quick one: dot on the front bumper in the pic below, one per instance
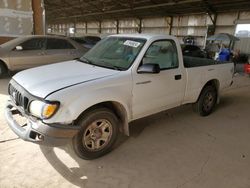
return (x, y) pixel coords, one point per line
(37, 131)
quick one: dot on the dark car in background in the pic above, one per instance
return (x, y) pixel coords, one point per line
(87, 41)
(193, 51)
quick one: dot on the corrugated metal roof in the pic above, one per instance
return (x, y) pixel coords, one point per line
(97, 10)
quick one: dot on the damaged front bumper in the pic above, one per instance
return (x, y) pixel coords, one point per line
(36, 131)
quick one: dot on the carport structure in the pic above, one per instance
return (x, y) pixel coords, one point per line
(86, 10)
(181, 18)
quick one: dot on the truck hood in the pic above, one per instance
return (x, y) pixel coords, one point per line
(42, 81)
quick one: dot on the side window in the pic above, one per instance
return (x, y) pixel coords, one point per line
(58, 44)
(33, 44)
(81, 41)
(163, 53)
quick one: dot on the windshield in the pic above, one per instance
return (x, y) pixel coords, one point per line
(114, 52)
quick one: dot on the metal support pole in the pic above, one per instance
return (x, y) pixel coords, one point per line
(75, 28)
(214, 20)
(140, 26)
(86, 27)
(117, 26)
(100, 27)
(170, 25)
(38, 17)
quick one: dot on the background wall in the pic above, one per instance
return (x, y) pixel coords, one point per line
(16, 19)
(180, 26)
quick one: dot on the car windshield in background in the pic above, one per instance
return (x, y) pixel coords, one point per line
(92, 39)
(87, 41)
(114, 52)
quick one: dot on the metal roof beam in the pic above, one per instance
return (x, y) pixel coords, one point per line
(135, 8)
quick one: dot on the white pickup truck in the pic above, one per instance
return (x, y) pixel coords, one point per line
(123, 78)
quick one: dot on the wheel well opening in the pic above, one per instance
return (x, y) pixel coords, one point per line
(4, 69)
(117, 109)
(215, 83)
(4, 64)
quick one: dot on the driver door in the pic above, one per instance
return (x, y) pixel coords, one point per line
(153, 93)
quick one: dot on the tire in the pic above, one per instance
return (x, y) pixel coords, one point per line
(206, 102)
(3, 70)
(98, 134)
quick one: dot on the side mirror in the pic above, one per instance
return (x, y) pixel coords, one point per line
(149, 68)
(19, 48)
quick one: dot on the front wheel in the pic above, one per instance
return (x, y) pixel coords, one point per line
(206, 102)
(99, 131)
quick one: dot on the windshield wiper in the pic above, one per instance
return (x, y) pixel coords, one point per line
(85, 60)
(109, 65)
(106, 64)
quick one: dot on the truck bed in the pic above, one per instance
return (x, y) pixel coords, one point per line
(190, 62)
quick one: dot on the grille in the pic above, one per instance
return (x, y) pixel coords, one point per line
(18, 97)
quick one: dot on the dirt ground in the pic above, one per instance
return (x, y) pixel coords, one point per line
(174, 149)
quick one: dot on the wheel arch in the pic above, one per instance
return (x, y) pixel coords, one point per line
(216, 84)
(118, 109)
(6, 69)
(4, 64)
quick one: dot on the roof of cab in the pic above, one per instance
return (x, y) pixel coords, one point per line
(144, 35)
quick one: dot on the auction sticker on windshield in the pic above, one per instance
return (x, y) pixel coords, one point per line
(131, 43)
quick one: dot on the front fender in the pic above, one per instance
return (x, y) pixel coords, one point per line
(75, 100)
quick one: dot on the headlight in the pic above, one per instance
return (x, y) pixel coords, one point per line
(43, 110)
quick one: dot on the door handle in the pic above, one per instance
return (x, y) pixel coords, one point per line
(144, 82)
(177, 77)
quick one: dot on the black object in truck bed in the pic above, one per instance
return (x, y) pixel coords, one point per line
(190, 62)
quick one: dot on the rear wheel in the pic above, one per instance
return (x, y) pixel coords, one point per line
(206, 102)
(99, 131)
(3, 70)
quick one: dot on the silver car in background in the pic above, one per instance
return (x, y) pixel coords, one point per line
(31, 51)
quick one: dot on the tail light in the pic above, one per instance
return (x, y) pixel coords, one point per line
(247, 68)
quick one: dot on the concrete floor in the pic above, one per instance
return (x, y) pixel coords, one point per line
(174, 149)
